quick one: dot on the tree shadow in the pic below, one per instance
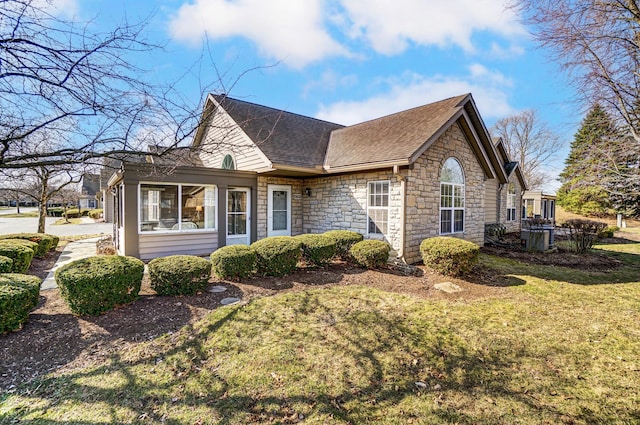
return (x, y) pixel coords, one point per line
(439, 359)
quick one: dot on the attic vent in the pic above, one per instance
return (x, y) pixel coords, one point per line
(228, 163)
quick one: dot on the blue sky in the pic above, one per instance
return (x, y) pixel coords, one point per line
(347, 61)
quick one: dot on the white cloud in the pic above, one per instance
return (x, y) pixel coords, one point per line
(509, 52)
(291, 31)
(65, 8)
(489, 89)
(391, 26)
(330, 81)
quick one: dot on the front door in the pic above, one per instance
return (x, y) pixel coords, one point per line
(238, 218)
(279, 210)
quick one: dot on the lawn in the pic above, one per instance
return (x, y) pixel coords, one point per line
(558, 346)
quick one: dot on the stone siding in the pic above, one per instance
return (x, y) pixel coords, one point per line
(297, 192)
(423, 193)
(512, 226)
(340, 203)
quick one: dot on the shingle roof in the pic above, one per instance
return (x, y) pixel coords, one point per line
(90, 184)
(284, 137)
(394, 137)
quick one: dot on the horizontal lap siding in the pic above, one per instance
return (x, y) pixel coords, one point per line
(491, 202)
(152, 246)
(223, 137)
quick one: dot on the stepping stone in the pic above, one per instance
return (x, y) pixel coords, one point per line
(229, 300)
(448, 287)
(217, 288)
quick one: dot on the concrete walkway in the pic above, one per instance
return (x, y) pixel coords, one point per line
(73, 251)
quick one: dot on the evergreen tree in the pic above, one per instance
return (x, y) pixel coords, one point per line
(585, 176)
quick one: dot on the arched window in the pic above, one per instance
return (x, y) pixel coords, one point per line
(451, 197)
(228, 163)
(511, 202)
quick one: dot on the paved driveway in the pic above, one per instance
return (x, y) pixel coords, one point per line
(28, 224)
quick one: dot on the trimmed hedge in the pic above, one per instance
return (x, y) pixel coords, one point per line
(608, 232)
(179, 274)
(317, 249)
(19, 294)
(96, 284)
(277, 255)
(19, 252)
(6, 264)
(96, 213)
(233, 261)
(449, 256)
(45, 241)
(344, 240)
(370, 253)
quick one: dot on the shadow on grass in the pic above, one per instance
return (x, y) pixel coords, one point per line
(384, 356)
(36, 348)
(622, 265)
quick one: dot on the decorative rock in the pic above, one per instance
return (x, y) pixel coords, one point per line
(229, 300)
(217, 288)
(448, 287)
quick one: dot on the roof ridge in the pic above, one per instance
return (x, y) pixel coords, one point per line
(274, 109)
(462, 96)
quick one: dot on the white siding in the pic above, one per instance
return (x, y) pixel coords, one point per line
(223, 137)
(200, 243)
(491, 201)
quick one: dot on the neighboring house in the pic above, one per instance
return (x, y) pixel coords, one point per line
(264, 172)
(504, 200)
(539, 205)
(90, 188)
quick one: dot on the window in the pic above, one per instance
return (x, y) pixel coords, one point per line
(451, 197)
(511, 202)
(228, 163)
(552, 209)
(529, 208)
(544, 209)
(177, 207)
(378, 208)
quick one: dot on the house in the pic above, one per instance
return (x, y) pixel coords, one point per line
(506, 198)
(427, 171)
(537, 204)
(89, 189)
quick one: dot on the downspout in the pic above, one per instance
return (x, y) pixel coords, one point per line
(403, 204)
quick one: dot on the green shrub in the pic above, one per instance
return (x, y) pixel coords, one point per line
(583, 233)
(19, 294)
(18, 252)
(96, 284)
(277, 255)
(95, 214)
(6, 264)
(370, 253)
(317, 249)
(608, 232)
(344, 240)
(233, 261)
(179, 274)
(24, 242)
(72, 213)
(449, 256)
(45, 241)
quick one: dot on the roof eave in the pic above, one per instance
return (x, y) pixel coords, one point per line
(368, 166)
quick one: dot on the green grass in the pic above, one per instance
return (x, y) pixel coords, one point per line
(63, 221)
(559, 347)
(21, 215)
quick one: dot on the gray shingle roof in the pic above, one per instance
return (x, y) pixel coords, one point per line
(284, 137)
(394, 137)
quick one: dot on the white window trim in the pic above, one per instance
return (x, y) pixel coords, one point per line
(511, 203)
(453, 208)
(370, 207)
(179, 231)
(233, 158)
(270, 189)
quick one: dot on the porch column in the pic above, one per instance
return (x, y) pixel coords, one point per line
(222, 215)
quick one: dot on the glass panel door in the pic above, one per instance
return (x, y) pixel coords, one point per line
(238, 227)
(279, 210)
